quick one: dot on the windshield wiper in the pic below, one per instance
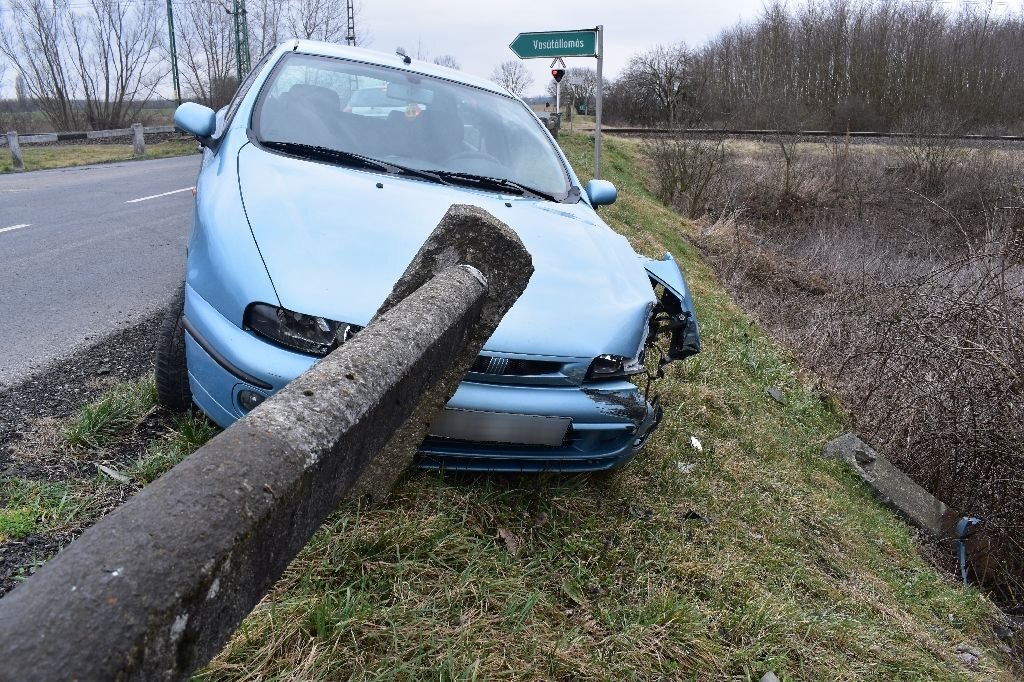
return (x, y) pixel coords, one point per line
(349, 158)
(485, 181)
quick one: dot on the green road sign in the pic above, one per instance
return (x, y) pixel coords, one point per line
(556, 44)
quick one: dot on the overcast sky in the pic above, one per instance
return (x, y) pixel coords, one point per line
(477, 32)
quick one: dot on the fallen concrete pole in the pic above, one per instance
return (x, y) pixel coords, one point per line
(899, 492)
(155, 589)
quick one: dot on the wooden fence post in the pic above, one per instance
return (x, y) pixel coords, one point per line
(12, 143)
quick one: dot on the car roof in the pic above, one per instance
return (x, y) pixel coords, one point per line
(359, 54)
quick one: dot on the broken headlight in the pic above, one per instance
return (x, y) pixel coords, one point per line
(296, 331)
(614, 367)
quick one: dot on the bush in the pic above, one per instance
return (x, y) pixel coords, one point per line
(909, 306)
(688, 171)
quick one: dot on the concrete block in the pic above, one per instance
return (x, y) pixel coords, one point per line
(155, 588)
(893, 487)
(471, 236)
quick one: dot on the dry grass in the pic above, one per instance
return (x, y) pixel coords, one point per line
(750, 555)
(63, 156)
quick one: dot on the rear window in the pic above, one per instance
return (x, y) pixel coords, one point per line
(377, 97)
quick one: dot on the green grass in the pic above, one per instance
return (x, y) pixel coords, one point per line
(64, 508)
(188, 432)
(115, 414)
(63, 156)
(753, 554)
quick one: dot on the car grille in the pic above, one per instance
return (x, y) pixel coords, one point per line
(496, 366)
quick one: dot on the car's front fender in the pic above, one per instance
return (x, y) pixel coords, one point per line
(685, 337)
(224, 264)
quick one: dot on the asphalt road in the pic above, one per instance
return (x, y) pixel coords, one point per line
(85, 251)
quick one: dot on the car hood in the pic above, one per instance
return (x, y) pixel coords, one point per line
(335, 240)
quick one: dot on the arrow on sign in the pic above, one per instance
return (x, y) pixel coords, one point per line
(582, 43)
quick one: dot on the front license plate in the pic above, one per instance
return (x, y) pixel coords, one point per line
(500, 427)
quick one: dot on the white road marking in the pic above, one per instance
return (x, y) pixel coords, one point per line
(157, 196)
(14, 227)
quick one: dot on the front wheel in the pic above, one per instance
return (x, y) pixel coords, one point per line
(172, 389)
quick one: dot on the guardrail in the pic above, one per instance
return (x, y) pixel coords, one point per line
(654, 132)
(137, 132)
(155, 588)
(49, 138)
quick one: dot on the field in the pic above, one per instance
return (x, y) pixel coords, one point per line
(727, 549)
(38, 157)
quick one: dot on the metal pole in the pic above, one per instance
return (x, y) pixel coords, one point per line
(238, 41)
(174, 52)
(600, 94)
(558, 97)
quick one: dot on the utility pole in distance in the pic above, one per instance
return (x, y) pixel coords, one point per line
(174, 52)
(242, 58)
(350, 34)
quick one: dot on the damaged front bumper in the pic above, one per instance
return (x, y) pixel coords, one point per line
(602, 427)
(605, 423)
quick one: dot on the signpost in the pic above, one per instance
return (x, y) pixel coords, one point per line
(586, 42)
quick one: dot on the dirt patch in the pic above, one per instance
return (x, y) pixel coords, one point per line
(33, 415)
(21, 558)
(30, 410)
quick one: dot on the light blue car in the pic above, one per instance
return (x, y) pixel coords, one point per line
(307, 213)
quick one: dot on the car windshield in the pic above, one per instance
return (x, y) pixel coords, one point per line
(461, 133)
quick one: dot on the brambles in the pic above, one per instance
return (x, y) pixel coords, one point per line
(688, 170)
(895, 273)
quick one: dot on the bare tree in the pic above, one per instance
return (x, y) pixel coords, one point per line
(115, 52)
(662, 74)
(318, 19)
(447, 60)
(512, 76)
(206, 54)
(34, 44)
(267, 20)
(579, 85)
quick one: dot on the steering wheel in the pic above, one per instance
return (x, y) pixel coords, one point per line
(483, 156)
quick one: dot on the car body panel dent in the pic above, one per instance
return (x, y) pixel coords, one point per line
(667, 273)
(589, 295)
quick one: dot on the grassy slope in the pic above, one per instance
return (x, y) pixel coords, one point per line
(760, 556)
(62, 156)
(753, 554)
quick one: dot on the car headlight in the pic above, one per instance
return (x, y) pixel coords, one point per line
(296, 331)
(614, 367)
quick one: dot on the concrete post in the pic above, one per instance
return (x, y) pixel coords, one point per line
(138, 140)
(155, 588)
(12, 144)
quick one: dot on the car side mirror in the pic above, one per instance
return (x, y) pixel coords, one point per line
(601, 192)
(196, 119)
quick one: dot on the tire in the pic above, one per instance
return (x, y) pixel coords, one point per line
(172, 389)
